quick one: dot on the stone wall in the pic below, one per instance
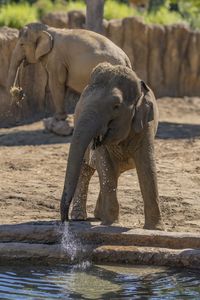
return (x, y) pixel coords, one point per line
(8, 39)
(166, 57)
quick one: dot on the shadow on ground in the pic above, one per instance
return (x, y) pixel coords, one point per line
(168, 130)
(31, 138)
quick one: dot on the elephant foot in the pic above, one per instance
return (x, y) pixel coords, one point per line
(97, 214)
(154, 226)
(60, 116)
(109, 220)
(106, 219)
(78, 215)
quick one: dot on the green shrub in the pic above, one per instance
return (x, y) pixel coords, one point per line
(163, 16)
(112, 9)
(115, 10)
(78, 5)
(17, 15)
(46, 6)
(190, 10)
(43, 7)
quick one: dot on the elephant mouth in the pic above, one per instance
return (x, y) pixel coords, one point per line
(98, 141)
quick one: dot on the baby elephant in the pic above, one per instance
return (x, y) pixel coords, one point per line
(116, 120)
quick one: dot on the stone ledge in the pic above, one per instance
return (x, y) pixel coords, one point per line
(42, 253)
(41, 242)
(147, 256)
(94, 233)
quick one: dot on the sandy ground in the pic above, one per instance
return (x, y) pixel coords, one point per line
(33, 166)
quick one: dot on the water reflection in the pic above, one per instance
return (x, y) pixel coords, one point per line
(87, 281)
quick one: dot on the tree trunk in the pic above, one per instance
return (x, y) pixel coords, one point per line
(94, 15)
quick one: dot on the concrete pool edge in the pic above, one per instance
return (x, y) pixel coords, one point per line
(41, 241)
(43, 253)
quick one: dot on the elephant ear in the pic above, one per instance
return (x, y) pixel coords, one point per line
(144, 110)
(44, 44)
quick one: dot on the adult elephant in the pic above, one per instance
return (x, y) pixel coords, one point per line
(116, 121)
(68, 55)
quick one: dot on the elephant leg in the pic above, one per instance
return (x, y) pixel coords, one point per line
(146, 170)
(58, 89)
(108, 170)
(98, 207)
(80, 198)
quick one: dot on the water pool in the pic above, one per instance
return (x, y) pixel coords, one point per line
(88, 281)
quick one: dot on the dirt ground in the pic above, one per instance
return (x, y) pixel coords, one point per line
(33, 165)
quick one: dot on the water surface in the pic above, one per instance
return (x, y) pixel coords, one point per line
(88, 281)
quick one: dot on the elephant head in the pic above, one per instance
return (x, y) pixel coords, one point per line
(110, 108)
(34, 42)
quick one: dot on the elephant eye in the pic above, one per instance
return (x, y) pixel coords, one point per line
(116, 106)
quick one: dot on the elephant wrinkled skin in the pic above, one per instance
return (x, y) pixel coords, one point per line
(116, 120)
(68, 55)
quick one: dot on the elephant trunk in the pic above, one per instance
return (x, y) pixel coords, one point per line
(17, 57)
(86, 129)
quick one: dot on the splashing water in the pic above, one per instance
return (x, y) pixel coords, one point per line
(74, 249)
(70, 243)
(83, 265)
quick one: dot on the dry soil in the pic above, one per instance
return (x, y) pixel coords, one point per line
(33, 164)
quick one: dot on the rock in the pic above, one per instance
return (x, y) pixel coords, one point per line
(147, 256)
(50, 232)
(47, 241)
(61, 127)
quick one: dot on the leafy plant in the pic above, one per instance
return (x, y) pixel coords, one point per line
(190, 11)
(115, 10)
(46, 6)
(160, 11)
(163, 16)
(80, 5)
(17, 15)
